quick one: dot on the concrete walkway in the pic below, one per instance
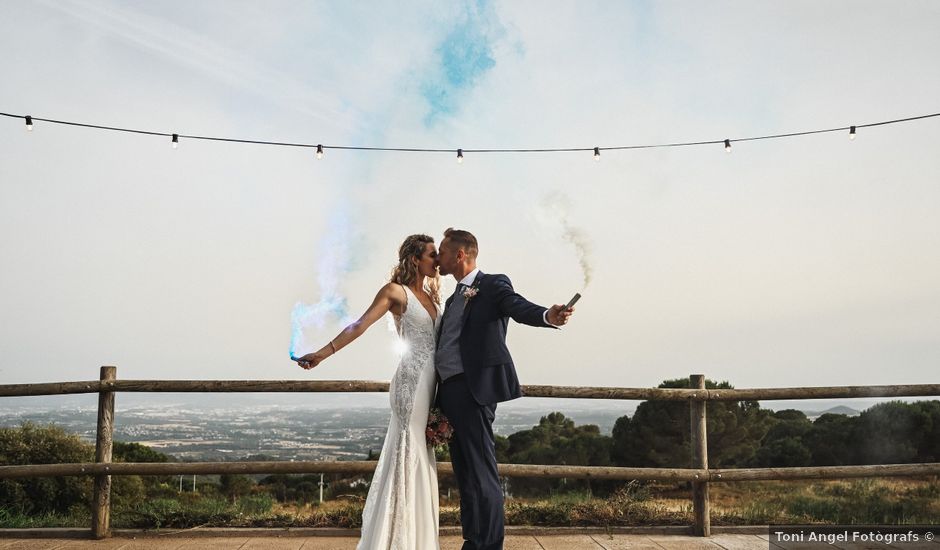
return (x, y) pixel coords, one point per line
(513, 542)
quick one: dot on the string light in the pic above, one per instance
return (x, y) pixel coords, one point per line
(176, 141)
(727, 142)
(597, 154)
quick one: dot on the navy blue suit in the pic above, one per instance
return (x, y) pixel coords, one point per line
(469, 402)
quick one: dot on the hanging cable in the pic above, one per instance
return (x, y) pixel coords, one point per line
(319, 147)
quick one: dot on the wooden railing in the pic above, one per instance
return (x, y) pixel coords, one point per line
(699, 474)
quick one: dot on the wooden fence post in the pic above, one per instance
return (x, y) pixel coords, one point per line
(702, 520)
(101, 506)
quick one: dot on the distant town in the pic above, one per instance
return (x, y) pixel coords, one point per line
(191, 432)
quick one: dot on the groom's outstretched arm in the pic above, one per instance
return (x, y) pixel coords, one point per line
(514, 305)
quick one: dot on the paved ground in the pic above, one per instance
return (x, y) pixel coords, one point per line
(513, 542)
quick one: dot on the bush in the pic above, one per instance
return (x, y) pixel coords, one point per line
(32, 444)
(256, 504)
(183, 513)
(52, 496)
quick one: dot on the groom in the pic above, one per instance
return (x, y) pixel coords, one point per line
(476, 372)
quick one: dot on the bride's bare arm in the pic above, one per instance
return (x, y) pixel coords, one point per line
(388, 297)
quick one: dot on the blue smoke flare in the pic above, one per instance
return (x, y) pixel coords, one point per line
(336, 262)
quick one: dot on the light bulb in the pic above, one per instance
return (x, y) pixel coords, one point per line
(29, 123)
(852, 132)
(319, 152)
(727, 146)
(459, 156)
(176, 141)
(597, 154)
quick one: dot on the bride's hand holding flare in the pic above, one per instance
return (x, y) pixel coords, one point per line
(311, 360)
(417, 261)
(384, 301)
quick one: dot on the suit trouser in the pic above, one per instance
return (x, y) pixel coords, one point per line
(473, 454)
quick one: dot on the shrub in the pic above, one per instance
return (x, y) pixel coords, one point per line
(32, 444)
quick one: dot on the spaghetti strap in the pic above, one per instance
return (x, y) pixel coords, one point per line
(405, 306)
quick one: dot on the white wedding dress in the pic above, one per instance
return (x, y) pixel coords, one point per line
(401, 511)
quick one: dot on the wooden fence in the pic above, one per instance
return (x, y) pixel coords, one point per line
(699, 474)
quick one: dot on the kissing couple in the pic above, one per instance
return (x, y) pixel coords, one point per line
(459, 354)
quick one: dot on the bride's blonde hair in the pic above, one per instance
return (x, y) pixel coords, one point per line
(406, 272)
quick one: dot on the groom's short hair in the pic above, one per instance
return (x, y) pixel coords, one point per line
(463, 239)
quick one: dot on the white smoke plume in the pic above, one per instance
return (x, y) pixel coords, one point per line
(557, 207)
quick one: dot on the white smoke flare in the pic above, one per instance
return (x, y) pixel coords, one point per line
(557, 207)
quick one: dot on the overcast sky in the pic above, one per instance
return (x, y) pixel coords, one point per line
(801, 261)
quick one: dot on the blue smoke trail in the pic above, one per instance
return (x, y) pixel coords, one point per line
(336, 261)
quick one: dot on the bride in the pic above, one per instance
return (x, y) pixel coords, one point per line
(401, 511)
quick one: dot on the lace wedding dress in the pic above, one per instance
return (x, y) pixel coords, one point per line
(401, 511)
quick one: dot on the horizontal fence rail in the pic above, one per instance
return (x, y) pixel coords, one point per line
(445, 468)
(699, 476)
(343, 467)
(367, 386)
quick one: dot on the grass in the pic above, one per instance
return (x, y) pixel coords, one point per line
(879, 501)
(191, 511)
(13, 519)
(859, 501)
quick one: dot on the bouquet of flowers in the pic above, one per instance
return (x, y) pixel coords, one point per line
(439, 430)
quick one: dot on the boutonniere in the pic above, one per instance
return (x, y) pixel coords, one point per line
(469, 293)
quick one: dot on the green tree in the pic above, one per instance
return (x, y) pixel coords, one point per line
(659, 433)
(929, 448)
(892, 433)
(276, 484)
(783, 452)
(33, 444)
(135, 452)
(502, 449)
(831, 441)
(307, 490)
(556, 440)
(129, 490)
(783, 445)
(235, 486)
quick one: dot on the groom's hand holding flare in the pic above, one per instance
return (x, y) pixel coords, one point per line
(558, 315)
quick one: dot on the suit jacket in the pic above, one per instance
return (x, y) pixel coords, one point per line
(487, 363)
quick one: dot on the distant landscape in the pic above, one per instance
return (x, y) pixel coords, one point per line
(238, 427)
(327, 427)
(280, 433)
